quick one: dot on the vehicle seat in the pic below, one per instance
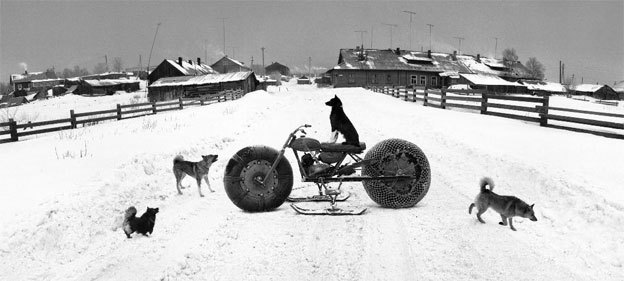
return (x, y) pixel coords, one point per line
(339, 147)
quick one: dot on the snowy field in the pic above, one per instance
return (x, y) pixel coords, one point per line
(63, 195)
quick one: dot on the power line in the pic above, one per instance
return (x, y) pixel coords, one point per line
(391, 26)
(154, 41)
(361, 36)
(410, 35)
(430, 26)
(460, 40)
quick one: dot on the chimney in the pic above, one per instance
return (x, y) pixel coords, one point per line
(478, 57)
(454, 55)
(180, 61)
(198, 61)
(429, 53)
(191, 62)
(398, 51)
(25, 72)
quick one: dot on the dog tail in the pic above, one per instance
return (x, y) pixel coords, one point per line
(178, 159)
(485, 181)
(130, 213)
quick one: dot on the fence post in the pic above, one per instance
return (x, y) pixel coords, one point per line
(425, 96)
(484, 100)
(118, 111)
(154, 108)
(72, 115)
(405, 98)
(544, 112)
(181, 103)
(201, 101)
(443, 98)
(13, 129)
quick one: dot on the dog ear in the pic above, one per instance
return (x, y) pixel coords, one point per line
(532, 206)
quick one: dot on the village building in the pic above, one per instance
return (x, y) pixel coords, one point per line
(510, 71)
(227, 64)
(543, 88)
(170, 88)
(33, 81)
(603, 92)
(172, 68)
(491, 83)
(371, 67)
(105, 86)
(277, 67)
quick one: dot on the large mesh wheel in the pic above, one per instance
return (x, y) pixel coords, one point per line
(244, 172)
(394, 157)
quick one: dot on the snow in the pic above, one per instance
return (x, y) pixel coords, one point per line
(546, 86)
(201, 79)
(481, 79)
(64, 193)
(590, 88)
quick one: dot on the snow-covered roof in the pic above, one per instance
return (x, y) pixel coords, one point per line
(109, 82)
(201, 79)
(544, 86)
(492, 66)
(482, 79)
(192, 68)
(23, 77)
(387, 59)
(590, 88)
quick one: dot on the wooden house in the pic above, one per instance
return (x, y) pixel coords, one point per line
(491, 83)
(227, 64)
(106, 86)
(513, 71)
(543, 88)
(170, 88)
(34, 81)
(277, 67)
(372, 67)
(603, 92)
(171, 68)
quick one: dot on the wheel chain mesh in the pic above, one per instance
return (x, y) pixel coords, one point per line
(397, 157)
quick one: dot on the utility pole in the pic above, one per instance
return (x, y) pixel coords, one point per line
(223, 20)
(410, 35)
(391, 26)
(263, 70)
(495, 46)
(309, 66)
(106, 62)
(430, 26)
(150, 55)
(361, 36)
(206, 51)
(371, 37)
(460, 39)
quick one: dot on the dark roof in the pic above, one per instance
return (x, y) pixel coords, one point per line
(373, 59)
(226, 58)
(276, 65)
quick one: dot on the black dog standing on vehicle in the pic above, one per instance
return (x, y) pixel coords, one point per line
(143, 224)
(341, 123)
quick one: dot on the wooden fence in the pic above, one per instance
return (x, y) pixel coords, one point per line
(531, 109)
(15, 131)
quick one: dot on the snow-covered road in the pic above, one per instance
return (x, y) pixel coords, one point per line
(59, 214)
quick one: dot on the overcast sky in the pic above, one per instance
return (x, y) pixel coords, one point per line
(588, 36)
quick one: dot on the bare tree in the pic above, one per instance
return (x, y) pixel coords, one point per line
(99, 68)
(5, 88)
(509, 57)
(117, 64)
(536, 68)
(77, 71)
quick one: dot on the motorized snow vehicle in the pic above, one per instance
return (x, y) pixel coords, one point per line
(395, 174)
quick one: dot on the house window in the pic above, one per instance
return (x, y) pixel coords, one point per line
(423, 80)
(414, 80)
(351, 79)
(19, 86)
(389, 79)
(434, 81)
(374, 79)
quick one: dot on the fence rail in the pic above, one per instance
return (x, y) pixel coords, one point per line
(121, 112)
(530, 109)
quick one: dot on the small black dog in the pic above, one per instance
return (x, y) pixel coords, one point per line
(341, 123)
(143, 224)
